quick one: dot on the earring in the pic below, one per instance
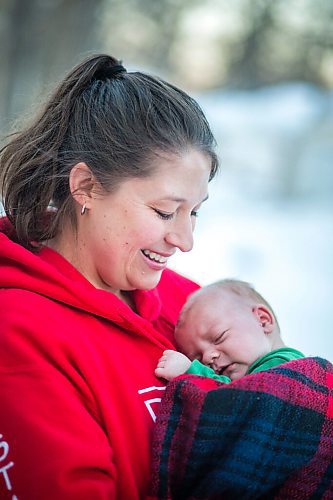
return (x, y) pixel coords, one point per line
(83, 209)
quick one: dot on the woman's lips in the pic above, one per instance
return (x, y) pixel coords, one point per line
(155, 260)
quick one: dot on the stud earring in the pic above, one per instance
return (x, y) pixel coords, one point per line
(83, 209)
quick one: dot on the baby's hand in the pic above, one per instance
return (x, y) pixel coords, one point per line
(172, 364)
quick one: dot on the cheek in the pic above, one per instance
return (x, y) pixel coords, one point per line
(110, 241)
(146, 234)
(127, 235)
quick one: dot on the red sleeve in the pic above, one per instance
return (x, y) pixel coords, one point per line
(56, 448)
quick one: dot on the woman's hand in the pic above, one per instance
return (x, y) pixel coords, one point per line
(172, 364)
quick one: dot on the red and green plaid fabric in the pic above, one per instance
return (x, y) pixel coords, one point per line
(268, 435)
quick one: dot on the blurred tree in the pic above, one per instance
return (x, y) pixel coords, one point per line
(144, 31)
(249, 53)
(211, 44)
(280, 40)
(40, 40)
(246, 43)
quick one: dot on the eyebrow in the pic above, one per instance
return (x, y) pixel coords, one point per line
(182, 200)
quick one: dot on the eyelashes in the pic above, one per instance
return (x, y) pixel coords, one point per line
(164, 215)
(170, 215)
(220, 337)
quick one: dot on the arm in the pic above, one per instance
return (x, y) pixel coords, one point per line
(54, 443)
(173, 363)
(56, 446)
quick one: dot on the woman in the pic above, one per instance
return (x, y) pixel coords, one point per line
(99, 193)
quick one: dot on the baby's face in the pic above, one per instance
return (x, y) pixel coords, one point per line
(223, 332)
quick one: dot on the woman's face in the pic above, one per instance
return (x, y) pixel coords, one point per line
(126, 238)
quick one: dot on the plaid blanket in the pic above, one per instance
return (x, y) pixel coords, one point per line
(267, 435)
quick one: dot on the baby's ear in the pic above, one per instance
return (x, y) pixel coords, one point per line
(265, 317)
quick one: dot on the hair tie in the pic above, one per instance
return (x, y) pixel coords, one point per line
(113, 70)
(109, 72)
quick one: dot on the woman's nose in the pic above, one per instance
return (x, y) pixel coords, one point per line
(181, 236)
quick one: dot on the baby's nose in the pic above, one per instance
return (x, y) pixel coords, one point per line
(209, 356)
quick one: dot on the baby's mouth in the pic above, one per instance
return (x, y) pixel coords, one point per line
(222, 370)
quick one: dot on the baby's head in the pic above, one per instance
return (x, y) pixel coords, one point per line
(227, 325)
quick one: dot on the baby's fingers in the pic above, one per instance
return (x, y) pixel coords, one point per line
(161, 362)
(161, 372)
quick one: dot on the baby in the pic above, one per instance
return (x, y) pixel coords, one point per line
(225, 330)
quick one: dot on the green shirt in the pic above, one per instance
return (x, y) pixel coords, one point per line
(273, 358)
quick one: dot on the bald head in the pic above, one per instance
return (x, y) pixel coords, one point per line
(228, 326)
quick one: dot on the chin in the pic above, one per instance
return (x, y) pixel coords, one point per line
(236, 375)
(147, 282)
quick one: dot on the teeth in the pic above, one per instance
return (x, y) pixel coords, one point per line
(155, 256)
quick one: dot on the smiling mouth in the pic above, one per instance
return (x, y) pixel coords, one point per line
(155, 257)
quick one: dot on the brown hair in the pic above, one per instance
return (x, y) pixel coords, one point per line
(115, 123)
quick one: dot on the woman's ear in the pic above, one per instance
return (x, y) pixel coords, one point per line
(265, 317)
(81, 184)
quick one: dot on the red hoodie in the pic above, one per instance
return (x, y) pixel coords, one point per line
(78, 393)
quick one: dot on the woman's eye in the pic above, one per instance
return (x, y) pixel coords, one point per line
(164, 215)
(194, 213)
